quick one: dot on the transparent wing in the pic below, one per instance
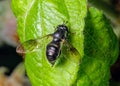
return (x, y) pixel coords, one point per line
(69, 55)
(73, 52)
(31, 45)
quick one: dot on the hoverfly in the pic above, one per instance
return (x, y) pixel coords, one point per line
(53, 48)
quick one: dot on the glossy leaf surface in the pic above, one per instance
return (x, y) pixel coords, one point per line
(95, 46)
(38, 18)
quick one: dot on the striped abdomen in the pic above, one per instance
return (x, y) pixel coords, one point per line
(52, 51)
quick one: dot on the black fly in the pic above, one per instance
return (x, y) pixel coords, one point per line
(53, 48)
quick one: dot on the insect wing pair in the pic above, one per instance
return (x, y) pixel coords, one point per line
(53, 48)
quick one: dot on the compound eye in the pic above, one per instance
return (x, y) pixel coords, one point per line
(64, 28)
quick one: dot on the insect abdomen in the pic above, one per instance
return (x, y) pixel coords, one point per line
(53, 48)
(52, 52)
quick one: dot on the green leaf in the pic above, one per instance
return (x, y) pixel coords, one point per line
(38, 18)
(100, 50)
(97, 46)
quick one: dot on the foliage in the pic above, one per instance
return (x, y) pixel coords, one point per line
(96, 46)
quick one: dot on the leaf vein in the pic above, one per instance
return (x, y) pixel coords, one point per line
(26, 14)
